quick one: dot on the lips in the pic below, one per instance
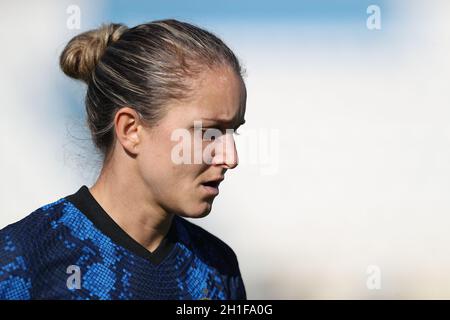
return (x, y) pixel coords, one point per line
(212, 186)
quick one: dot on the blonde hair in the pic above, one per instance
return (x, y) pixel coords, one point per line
(143, 67)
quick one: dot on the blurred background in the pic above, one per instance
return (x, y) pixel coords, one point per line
(343, 188)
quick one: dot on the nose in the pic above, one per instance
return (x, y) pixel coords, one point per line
(225, 153)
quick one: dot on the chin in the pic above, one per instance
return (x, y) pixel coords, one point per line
(199, 211)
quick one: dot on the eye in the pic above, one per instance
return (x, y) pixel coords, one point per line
(212, 134)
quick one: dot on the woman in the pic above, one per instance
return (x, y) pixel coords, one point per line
(126, 237)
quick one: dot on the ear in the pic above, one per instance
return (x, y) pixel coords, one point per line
(127, 127)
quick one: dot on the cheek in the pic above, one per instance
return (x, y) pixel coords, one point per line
(186, 179)
(164, 175)
(175, 185)
(154, 164)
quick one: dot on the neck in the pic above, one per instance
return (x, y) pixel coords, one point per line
(131, 206)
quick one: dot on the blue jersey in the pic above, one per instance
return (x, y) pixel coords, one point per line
(72, 249)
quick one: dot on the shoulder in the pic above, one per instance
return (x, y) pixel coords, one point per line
(208, 246)
(20, 245)
(31, 228)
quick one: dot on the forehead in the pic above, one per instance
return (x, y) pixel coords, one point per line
(219, 94)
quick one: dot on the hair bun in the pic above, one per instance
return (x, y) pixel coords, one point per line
(82, 53)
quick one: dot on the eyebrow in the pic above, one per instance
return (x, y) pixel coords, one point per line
(225, 121)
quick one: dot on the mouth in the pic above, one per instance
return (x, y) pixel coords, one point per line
(212, 186)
